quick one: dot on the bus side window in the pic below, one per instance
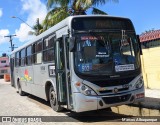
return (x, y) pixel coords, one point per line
(17, 59)
(37, 52)
(48, 49)
(29, 55)
(22, 58)
(33, 52)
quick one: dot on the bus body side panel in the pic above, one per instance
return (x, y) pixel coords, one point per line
(16, 77)
(40, 74)
(41, 77)
(85, 103)
(26, 78)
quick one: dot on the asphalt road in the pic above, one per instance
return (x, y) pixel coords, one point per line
(32, 110)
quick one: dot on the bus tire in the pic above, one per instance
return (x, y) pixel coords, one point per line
(53, 100)
(20, 89)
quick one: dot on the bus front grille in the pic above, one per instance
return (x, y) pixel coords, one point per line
(116, 99)
(115, 82)
(111, 91)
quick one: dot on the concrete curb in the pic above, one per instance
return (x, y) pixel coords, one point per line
(150, 107)
(135, 111)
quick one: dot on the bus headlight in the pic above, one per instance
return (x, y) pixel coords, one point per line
(139, 83)
(86, 90)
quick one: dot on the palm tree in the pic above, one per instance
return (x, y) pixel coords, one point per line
(54, 16)
(38, 29)
(64, 8)
(79, 7)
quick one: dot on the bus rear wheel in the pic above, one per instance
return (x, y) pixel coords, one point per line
(20, 89)
(53, 100)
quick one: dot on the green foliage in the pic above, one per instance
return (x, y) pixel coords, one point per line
(60, 9)
(55, 16)
(97, 11)
(38, 29)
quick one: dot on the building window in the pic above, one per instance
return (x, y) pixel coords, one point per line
(3, 61)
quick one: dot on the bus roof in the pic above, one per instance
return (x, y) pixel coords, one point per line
(58, 26)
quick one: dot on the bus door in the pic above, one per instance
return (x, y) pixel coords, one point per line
(12, 71)
(62, 72)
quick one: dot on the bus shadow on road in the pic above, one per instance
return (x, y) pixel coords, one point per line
(97, 116)
(89, 116)
(149, 103)
(41, 102)
(38, 101)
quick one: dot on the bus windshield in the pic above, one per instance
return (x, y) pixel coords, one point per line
(106, 53)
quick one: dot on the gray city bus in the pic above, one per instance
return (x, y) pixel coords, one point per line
(82, 63)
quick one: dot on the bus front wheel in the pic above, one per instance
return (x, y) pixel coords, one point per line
(20, 89)
(53, 100)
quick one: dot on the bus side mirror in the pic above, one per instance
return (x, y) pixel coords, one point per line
(72, 44)
(139, 43)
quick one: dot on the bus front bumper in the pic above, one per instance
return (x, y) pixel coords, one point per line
(88, 103)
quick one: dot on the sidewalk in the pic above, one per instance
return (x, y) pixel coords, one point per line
(150, 107)
(152, 93)
(3, 82)
(152, 99)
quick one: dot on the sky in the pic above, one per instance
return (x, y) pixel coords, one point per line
(143, 13)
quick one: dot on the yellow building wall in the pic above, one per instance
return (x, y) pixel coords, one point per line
(151, 67)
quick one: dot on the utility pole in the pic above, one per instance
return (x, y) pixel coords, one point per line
(13, 46)
(37, 23)
(10, 36)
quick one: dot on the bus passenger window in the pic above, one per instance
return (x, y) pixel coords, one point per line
(17, 59)
(39, 47)
(39, 58)
(37, 52)
(28, 55)
(48, 49)
(22, 58)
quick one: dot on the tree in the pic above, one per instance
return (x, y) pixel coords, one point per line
(54, 16)
(64, 8)
(38, 29)
(79, 7)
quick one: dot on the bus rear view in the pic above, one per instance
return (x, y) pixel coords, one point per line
(107, 67)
